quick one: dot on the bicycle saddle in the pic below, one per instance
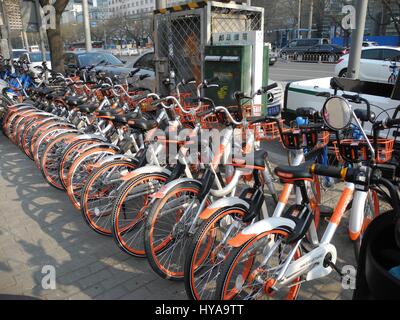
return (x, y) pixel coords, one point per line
(124, 119)
(75, 101)
(305, 112)
(106, 113)
(142, 124)
(88, 108)
(55, 95)
(293, 173)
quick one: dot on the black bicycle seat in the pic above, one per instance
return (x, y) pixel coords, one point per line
(142, 124)
(305, 112)
(75, 101)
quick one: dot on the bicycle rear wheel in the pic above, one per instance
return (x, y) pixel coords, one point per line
(131, 211)
(209, 250)
(100, 193)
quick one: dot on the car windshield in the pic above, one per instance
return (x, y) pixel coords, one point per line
(17, 54)
(94, 58)
(37, 57)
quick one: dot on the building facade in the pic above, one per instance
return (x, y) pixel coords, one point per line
(117, 8)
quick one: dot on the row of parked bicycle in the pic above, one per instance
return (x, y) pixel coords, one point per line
(146, 171)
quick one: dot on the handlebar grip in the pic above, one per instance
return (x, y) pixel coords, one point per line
(184, 82)
(254, 120)
(392, 122)
(155, 102)
(352, 97)
(269, 87)
(330, 171)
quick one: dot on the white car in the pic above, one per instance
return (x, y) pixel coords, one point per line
(34, 59)
(376, 65)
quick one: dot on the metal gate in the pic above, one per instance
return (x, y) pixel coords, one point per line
(181, 33)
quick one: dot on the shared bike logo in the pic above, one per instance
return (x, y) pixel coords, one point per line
(349, 20)
(349, 274)
(48, 16)
(49, 277)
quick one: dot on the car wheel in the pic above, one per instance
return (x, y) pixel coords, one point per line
(343, 73)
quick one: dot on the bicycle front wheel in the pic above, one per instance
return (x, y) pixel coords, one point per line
(248, 275)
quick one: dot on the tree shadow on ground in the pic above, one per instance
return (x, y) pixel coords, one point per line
(87, 265)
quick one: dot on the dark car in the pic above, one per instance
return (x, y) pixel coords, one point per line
(327, 49)
(104, 61)
(300, 45)
(322, 52)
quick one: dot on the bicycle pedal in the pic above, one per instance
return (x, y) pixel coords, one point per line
(328, 263)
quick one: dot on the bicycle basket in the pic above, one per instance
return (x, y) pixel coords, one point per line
(351, 150)
(311, 138)
(267, 131)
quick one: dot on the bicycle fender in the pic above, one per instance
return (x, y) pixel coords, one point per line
(221, 203)
(260, 227)
(145, 170)
(102, 145)
(91, 136)
(118, 157)
(162, 192)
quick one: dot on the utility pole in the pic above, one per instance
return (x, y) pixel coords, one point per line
(299, 20)
(353, 70)
(5, 45)
(86, 22)
(310, 20)
(41, 30)
(161, 4)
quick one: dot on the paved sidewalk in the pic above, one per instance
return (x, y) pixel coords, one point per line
(39, 227)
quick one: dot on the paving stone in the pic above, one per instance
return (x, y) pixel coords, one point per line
(39, 225)
(112, 294)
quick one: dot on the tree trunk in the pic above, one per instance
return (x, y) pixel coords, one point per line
(56, 45)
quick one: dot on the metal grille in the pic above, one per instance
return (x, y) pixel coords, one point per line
(179, 43)
(235, 20)
(182, 35)
(13, 11)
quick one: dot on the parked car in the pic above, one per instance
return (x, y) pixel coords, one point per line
(34, 59)
(375, 64)
(321, 52)
(327, 49)
(106, 62)
(301, 45)
(16, 53)
(145, 62)
(273, 57)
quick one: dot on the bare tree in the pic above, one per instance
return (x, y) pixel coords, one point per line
(389, 14)
(54, 35)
